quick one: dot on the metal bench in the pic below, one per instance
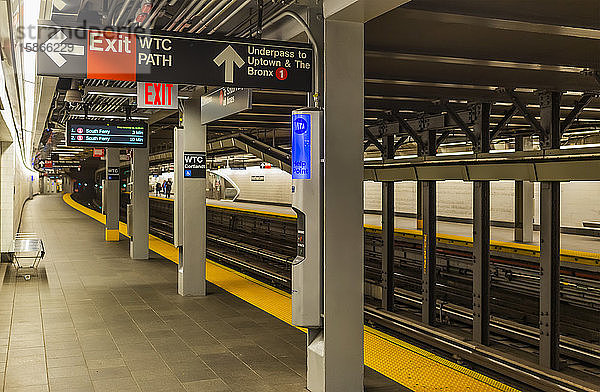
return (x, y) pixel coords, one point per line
(27, 252)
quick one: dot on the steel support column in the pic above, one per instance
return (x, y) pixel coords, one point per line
(549, 274)
(550, 240)
(429, 251)
(523, 203)
(419, 204)
(387, 231)
(481, 231)
(481, 262)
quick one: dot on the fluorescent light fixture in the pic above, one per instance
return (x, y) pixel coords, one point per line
(123, 94)
(574, 146)
(443, 154)
(112, 94)
(110, 117)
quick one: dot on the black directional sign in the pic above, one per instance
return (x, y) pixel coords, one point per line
(146, 56)
(194, 164)
(224, 102)
(112, 173)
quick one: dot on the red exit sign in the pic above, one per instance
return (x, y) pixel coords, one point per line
(157, 95)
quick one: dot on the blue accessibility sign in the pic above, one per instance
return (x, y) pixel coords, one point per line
(188, 173)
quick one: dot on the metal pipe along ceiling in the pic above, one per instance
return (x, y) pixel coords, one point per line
(199, 6)
(209, 16)
(154, 14)
(231, 15)
(180, 14)
(122, 12)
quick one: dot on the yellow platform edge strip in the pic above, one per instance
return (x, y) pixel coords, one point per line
(111, 235)
(408, 365)
(567, 255)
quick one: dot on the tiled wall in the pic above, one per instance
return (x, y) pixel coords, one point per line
(16, 186)
(579, 200)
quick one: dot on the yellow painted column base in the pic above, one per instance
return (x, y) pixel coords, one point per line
(112, 235)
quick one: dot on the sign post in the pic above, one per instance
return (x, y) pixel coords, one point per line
(146, 56)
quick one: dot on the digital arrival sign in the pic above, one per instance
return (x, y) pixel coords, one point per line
(96, 133)
(301, 146)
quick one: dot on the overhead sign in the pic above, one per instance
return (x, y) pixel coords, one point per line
(67, 165)
(112, 173)
(194, 165)
(144, 56)
(157, 95)
(121, 134)
(301, 146)
(98, 152)
(224, 102)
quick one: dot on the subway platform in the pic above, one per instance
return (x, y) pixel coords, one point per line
(95, 320)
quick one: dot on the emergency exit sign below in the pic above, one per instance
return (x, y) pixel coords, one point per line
(157, 95)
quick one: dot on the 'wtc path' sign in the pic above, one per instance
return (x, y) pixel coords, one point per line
(145, 56)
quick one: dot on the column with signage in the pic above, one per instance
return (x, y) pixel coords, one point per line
(139, 232)
(111, 193)
(191, 148)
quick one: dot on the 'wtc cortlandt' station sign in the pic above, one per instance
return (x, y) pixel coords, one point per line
(146, 56)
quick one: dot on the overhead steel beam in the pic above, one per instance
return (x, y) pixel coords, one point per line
(503, 122)
(358, 10)
(267, 153)
(525, 112)
(576, 111)
(161, 115)
(399, 142)
(550, 119)
(555, 165)
(374, 140)
(461, 124)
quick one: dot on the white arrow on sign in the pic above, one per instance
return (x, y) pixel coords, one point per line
(229, 56)
(57, 56)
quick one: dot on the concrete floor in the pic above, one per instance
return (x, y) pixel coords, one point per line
(94, 320)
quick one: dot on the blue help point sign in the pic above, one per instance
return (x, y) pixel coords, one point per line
(301, 153)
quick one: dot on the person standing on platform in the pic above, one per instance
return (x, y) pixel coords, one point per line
(157, 188)
(168, 186)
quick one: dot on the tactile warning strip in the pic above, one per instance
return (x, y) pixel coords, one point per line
(410, 366)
